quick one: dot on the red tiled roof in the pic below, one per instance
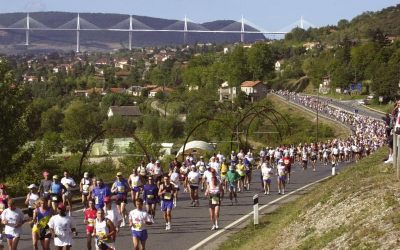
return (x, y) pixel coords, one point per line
(249, 83)
(160, 89)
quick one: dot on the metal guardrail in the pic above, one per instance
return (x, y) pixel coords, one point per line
(396, 153)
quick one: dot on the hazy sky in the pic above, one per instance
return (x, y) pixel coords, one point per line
(268, 15)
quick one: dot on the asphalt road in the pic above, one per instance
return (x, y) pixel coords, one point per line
(192, 225)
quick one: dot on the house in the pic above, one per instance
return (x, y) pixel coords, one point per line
(122, 74)
(87, 92)
(255, 90)
(310, 45)
(127, 111)
(122, 64)
(30, 79)
(117, 90)
(164, 90)
(226, 92)
(135, 90)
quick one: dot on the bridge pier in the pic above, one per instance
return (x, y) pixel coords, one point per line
(185, 29)
(130, 32)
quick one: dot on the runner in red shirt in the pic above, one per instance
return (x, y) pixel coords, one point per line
(90, 218)
(288, 165)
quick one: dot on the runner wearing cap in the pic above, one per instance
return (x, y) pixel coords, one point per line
(167, 193)
(31, 199)
(13, 219)
(84, 188)
(104, 231)
(150, 196)
(44, 187)
(68, 183)
(136, 184)
(157, 173)
(63, 228)
(56, 191)
(232, 178)
(90, 217)
(201, 167)
(174, 179)
(183, 172)
(240, 169)
(40, 228)
(266, 175)
(120, 188)
(193, 181)
(138, 219)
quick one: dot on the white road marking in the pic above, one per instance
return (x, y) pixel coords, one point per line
(214, 235)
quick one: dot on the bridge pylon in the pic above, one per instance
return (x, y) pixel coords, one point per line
(78, 28)
(130, 32)
(185, 29)
(242, 30)
(27, 30)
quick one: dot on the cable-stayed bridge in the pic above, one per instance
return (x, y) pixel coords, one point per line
(131, 25)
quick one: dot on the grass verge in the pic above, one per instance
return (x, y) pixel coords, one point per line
(357, 209)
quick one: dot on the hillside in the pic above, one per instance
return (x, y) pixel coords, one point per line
(13, 39)
(357, 209)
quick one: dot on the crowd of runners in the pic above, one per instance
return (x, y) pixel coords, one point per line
(105, 213)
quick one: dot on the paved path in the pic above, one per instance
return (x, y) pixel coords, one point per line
(191, 225)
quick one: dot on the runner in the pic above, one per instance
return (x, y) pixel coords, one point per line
(240, 168)
(287, 161)
(201, 166)
(141, 170)
(44, 187)
(112, 213)
(90, 217)
(266, 173)
(138, 219)
(150, 196)
(157, 173)
(135, 182)
(224, 170)
(231, 179)
(3, 206)
(56, 191)
(31, 199)
(314, 156)
(248, 164)
(215, 192)
(120, 188)
(13, 219)
(183, 171)
(84, 187)
(40, 229)
(68, 183)
(104, 231)
(62, 228)
(281, 177)
(167, 193)
(193, 182)
(174, 179)
(99, 193)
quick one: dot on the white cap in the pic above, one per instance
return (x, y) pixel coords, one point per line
(157, 161)
(32, 186)
(86, 174)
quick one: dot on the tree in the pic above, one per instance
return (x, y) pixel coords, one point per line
(260, 60)
(81, 122)
(13, 123)
(51, 120)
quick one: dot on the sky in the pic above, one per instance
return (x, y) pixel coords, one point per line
(266, 15)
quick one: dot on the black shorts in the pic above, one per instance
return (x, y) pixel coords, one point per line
(193, 187)
(314, 158)
(56, 198)
(30, 212)
(44, 233)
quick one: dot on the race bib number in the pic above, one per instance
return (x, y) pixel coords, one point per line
(54, 198)
(121, 189)
(167, 196)
(214, 200)
(150, 196)
(135, 183)
(85, 188)
(137, 225)
(2, 206)
(91, 222)
(96, 200)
